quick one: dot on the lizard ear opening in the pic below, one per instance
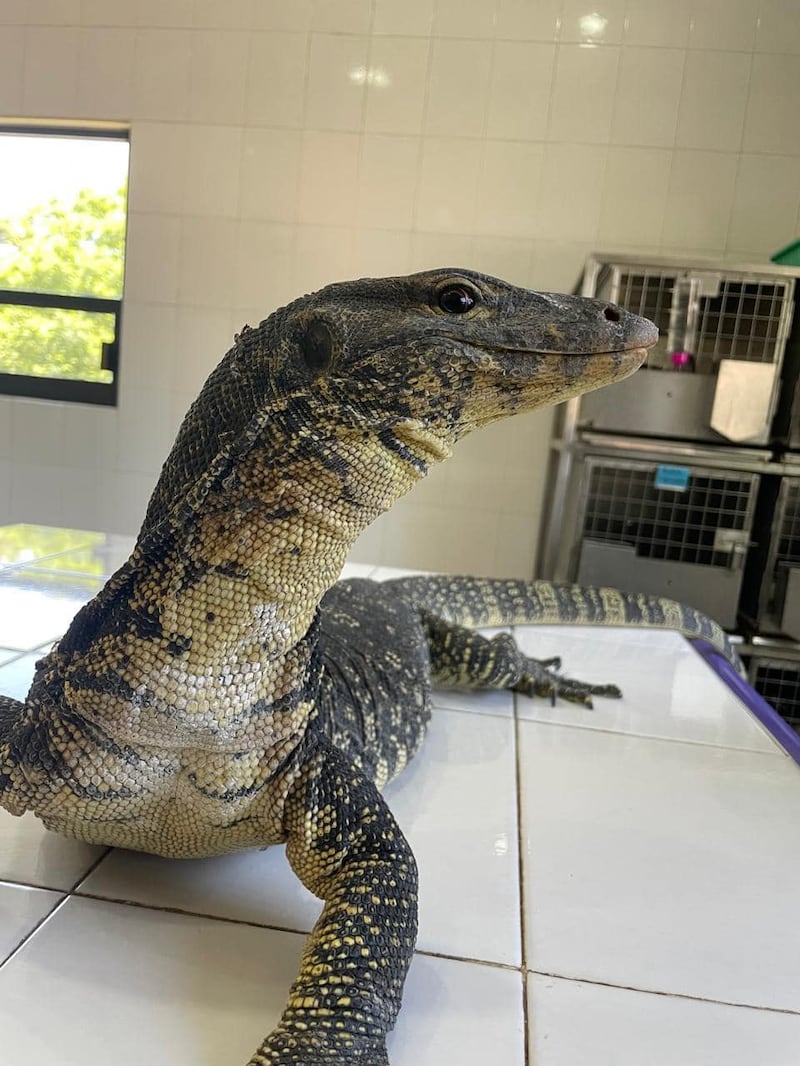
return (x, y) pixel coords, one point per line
(317, 347)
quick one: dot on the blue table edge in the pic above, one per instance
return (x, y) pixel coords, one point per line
(782, 732)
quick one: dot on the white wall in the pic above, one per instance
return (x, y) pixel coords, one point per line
(490, 134)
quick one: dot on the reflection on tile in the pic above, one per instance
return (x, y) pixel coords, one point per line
(456, 804)
(191, 983)
(601, 25)
(37, 606)
(659, 865)
(21, 910)
(22, 543)
(396, 96)
(34, 856)
(100, 560)
(620, 1027)
(778, 27)
(690, 702)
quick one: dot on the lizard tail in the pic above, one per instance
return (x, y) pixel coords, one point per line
(13, 786)
(474, 602)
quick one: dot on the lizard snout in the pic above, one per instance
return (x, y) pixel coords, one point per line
(637, 332)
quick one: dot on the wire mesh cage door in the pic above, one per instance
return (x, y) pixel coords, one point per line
(778, 681)
(675, 531)
(779, 609)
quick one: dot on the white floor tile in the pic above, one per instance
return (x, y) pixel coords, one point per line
(664, 866)
(456, 805)
(457, 1012)
(252, 886)
(21, 909)
(6, 654)
(38, 606)
(29, 853)
(667, 689)
(196, 992)
(572, 1024)
(184, 990)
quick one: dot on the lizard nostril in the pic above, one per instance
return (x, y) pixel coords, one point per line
(612, 314)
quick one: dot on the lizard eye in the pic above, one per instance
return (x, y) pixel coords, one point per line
(457, 299)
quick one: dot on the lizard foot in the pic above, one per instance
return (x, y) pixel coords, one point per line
(541, 679)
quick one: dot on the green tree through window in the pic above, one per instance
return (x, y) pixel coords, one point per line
(69, 246)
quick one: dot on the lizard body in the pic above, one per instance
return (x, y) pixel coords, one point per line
(222, 691)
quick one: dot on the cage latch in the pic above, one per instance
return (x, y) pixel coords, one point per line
(735, 542)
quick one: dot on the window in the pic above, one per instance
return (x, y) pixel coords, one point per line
(63, 197)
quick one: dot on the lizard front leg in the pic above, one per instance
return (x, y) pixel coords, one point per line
(462, 658)
(345, 846)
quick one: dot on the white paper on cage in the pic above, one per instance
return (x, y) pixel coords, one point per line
(743, 400)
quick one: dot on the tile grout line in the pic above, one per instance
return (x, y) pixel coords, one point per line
(90, 870)
(183, 913)
(779, 753)
(521, 872)
(668, 995)
(35, 929)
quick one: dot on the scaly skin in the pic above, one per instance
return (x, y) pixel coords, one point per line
(216, 695)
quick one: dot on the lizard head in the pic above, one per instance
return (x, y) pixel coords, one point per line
(455, 349)
(403, 367)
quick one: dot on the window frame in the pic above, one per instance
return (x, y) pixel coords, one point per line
(70, 390)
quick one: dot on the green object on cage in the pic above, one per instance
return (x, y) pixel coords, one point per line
(788, 256)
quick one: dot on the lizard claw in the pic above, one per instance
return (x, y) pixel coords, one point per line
(543, 680)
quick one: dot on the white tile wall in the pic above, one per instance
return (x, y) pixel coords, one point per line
(279, 146)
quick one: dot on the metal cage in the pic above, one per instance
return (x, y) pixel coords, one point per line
(778, 681)
(714, 313)
(779, 609)
(678, 531)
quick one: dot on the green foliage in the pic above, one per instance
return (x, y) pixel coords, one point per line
(69, 249)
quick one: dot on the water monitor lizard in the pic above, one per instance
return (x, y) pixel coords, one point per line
(223, 692)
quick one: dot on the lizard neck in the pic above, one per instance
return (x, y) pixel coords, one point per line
(285, 523)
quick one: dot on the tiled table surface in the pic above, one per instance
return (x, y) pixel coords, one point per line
(616, 887)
